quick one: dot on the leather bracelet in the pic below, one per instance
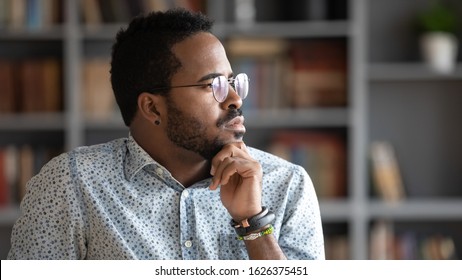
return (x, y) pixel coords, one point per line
(244, 227)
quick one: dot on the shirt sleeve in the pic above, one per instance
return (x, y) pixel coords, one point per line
(51, 222)
(301, 234)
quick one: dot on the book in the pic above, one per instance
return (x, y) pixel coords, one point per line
(386, 175)
(4, 13)
(389, 242)
(7, 91)
(438, 247)
(18, 14)
(318, 73)
(4, 186)
(382, 240)
(32, 14)
(52, 87)
(265, 47)
(97, 12)
(91, 12)
(98, 98)
(9, 171)
(322, 154)
(31, 94)
(156, 5)
(51, 12)
(26, 169)
(40, 85)
(336, 247)
(192, 5)
(17, 166)
(265, 62)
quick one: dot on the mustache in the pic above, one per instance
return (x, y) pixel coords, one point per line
(231, 115)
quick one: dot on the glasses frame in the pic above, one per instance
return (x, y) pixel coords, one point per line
(231, 82)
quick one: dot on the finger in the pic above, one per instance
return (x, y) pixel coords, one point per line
(226, 169)
(218, 171)
(236, 166)
(236, 149)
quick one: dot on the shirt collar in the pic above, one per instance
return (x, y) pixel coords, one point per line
(137, 158)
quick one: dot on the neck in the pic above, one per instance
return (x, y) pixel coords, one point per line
(188, 173)
(185, 166)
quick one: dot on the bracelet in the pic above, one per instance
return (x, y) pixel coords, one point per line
(262, 219)
(256, 235)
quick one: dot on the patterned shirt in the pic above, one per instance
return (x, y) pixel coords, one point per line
(113, 201)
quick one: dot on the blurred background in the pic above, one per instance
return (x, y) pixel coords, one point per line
(364, 94)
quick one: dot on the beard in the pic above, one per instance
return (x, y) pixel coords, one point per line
(190, 133)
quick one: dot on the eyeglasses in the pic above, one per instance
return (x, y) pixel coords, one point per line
(220, 86)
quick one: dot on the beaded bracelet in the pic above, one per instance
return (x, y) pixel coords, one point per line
(256, 235)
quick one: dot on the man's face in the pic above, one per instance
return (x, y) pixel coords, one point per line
(196, 121)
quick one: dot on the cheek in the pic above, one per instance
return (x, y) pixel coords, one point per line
(208, 113)
(202, 107)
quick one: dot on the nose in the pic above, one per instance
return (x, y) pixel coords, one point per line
(233, 100)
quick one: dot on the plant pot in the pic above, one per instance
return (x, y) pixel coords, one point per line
(439, 50)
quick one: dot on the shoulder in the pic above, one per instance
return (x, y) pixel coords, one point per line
(271, 162)
(68, 164)
(107, 148)
(281, 176)
(99, 154)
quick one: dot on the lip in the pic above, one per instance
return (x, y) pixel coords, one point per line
(236, 124)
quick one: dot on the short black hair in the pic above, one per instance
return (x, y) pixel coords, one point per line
(142, 59)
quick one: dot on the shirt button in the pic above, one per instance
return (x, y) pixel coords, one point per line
(159, 171)
(185, 193)
(188, 243)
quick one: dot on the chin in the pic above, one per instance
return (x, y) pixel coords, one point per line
(238, 136)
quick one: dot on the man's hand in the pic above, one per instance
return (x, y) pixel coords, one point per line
(240, 177)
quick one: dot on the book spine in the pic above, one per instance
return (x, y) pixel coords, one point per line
(385, 172)
(323, 155)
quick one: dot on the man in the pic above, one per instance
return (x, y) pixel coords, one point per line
(183, 185)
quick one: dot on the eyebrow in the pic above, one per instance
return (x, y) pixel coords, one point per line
(213, 75)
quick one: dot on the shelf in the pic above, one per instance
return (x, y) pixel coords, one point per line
(9, 215)
(51, 33)
(303, 29)
(335, 210)
(417, 209)
(114, 123)
(297, 118)
(32, 121)
(102, 32)
(382, 72)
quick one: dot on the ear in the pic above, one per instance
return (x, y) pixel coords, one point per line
(150, 106)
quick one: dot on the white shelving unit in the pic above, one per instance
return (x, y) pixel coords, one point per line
(416, 110)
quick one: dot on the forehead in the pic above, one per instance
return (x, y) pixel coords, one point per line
(201, 54)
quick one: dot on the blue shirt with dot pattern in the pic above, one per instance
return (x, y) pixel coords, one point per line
(113, 201)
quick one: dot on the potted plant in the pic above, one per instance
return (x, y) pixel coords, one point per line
(438, 39)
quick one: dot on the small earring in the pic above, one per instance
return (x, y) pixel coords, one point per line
(157, 122)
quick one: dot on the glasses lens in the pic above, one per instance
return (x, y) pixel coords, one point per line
(241, 83)
(220, 88)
